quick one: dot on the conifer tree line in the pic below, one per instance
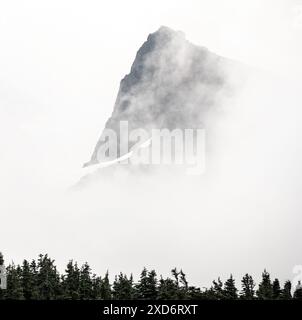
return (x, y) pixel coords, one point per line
(40, 280)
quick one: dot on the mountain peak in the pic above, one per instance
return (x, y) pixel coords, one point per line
(164, 30)
(172, 84)
(164, 35)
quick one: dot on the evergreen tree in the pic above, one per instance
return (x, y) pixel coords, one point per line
(183, 279)
(96, 287)
(167, 289)
(276, 289)
(265, 291)
(123, 287)
(71, 281)
(14, 283)
(217, 289)
(86, 288)
(28, 281)
(105, 288)
(1, 259)
(183, 286)
(230, 290)
(48, 279)
(175, 274)
(298, 291)
(147, 287)
(248, 286)
(34, 280)
(286, 292)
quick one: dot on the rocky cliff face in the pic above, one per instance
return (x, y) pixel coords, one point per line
(172, 84)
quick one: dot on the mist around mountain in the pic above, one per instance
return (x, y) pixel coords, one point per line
(60, 76)
(172, 84)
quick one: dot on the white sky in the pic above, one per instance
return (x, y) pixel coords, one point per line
(60, 66)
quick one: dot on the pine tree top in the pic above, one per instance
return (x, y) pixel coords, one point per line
(1, 259)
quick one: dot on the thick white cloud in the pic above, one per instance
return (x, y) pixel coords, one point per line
(60, 66)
